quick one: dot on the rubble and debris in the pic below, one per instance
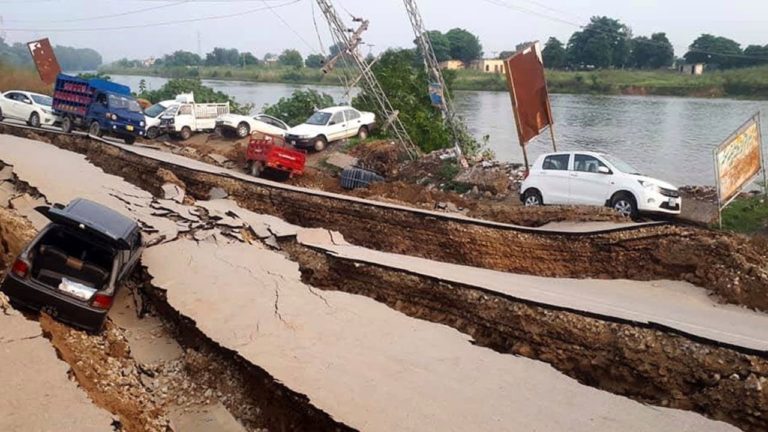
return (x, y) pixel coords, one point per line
(341, 160)
(173, 192)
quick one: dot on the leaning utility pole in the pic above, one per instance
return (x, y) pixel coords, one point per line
(349, 40)
(432, 67)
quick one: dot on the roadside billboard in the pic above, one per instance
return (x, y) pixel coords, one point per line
(528, 90)
(738, 160)
(45, 60)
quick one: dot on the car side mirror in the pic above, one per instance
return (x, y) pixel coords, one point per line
(331, 123)
(603, 170)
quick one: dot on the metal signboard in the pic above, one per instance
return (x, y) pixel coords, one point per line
(738, 160)
(528, 89)
(45, 60)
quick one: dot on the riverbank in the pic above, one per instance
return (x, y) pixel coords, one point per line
(749, 83)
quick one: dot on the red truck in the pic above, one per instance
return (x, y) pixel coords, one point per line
(269, 152)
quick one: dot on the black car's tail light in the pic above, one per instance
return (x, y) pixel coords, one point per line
(102, 301)
(20, 268)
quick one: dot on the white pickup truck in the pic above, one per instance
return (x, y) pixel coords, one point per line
(188, 117)
(331, 124)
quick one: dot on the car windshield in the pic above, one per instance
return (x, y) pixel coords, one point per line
(124, 102)
(621, 165)
(42, 100)
(155, 110)
(318, 119)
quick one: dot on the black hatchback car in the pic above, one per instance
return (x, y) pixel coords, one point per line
(72, 268)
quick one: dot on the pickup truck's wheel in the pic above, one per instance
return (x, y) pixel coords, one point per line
(186, 133)
(152, 132)
(625, 204)
(34, 120)
(129, 139)
(532, 197)
(320, 143)
(243, 130)
(255, 168)
(363, 133)
(66, 125)
(95, 129)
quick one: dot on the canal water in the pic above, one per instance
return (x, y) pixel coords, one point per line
(667, 137)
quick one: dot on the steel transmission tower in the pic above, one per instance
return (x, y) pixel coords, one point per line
(350, 39)
(435, 75)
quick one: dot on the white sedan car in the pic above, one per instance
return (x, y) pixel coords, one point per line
(244, 125)
(331, 124)
(589, 178)
(33, 108)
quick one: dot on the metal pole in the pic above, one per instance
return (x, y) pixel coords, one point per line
(552, 134)
(762, 156)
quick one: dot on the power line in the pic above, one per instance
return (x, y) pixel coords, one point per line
(165, 23)
(285, 23)
(120, 14)
(582, 27)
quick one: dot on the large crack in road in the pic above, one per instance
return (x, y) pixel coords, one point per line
(310, 349)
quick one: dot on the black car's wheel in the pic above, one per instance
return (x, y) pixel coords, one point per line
(153, 132)
(532, 197)
(320, 143)
(129, 139)
(186, 133)
(255, 168)
(625, 204)
(363, 133)
(66, 125)
(34, 120)
(95, 129)
(243, 129)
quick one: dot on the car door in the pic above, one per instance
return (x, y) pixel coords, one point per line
(589, 186)
(337, 127)
(354, 122)
(270, 125)
(11, 105)
(24, 106)
(554, 178)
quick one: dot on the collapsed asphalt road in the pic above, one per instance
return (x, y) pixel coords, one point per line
(296, 316)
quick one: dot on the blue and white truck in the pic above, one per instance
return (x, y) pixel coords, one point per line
(98, 106)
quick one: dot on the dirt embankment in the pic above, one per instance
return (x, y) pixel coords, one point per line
(642, 363)
(15, 232)
(731, 266)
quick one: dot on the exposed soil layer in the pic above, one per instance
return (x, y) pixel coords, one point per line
(15, 232)
(641, 363)
(729, 265)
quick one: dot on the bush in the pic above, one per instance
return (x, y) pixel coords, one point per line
(297, 108)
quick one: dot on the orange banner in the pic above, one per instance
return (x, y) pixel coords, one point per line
(528, 89)
(45, 60)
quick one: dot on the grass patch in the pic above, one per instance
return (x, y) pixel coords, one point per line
(17, 78)
(746, 216)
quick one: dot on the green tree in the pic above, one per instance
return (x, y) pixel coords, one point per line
(315, 61)
(223, 57)
(406, 87)
(604, 42)
(653, 53)
(440, 45)
(296, 109)
(465, 46)
(203, 94)
(291, 57)
(715, 50)
(506, 54)
(250, 60)
(553, 54)
(182, 58)
(758, 55)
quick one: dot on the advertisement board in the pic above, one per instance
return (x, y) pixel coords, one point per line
(45, 60)
(528, 90)
(738, 160)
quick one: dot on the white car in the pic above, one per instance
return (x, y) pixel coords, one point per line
(331, 124)
(152, 117)
(244, 125)
(33, 108)
(588, 178)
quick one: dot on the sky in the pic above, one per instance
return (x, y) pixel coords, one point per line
(146, 28)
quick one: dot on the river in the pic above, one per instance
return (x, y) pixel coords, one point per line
(667, 137)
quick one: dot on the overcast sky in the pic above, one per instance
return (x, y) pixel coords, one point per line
(500, 24)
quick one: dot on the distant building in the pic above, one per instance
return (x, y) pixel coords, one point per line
(149, 62)
(270, 60)
(692, 69)
(452, 65)
(489, 66)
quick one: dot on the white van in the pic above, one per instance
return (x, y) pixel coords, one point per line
(188, 117)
